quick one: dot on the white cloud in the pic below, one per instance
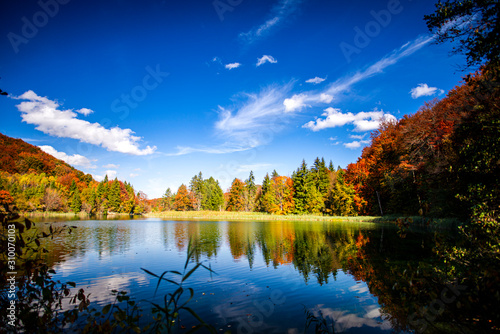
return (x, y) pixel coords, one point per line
(334, 140)
(343, 321)
(296, 102)
(111, 166)
(44, 113)
(133, 175)
(424, 90)
(325, 98)
(110, 173)
(84, 111)
(232, 65)
(279, 13)
(356, 144)
(266, 59)
(316, 80)
(74, 160)
(357, 136)
(363, 121)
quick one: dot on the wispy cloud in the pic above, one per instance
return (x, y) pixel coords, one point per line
(252, 167)
(363, 121)
(424, 90)
(111, 166)
(316, 80)
(73, 160)
(232, 66)
(279, 13)
(344, 84)
(262, 115)
(49, 119)
(358, 136)
(256, 119)
(266, 59)
(220, 149)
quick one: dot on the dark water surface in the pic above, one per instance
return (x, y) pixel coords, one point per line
(267, 273)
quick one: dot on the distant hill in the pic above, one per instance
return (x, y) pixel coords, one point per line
(32, 180)
(17, 156)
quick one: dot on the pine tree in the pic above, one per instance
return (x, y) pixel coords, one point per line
(215, 195)
(167, 200)
(315, 202)
(250, 192)
(319, 175)
(197, 188)
(114, 199)
(266, 198)
(300, 180)
(76, 202)
(330, 167)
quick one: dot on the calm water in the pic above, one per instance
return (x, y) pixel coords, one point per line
(266, 272)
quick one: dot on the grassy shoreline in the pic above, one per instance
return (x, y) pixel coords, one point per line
(257, 216)
(249, 216)
(209, 215)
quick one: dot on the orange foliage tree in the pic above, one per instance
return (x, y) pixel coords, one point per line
(282, 190)
(183, 199)
(236, 198)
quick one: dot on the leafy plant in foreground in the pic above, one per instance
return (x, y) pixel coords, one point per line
(169, 314)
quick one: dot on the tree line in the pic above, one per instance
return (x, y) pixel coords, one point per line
(315, 190)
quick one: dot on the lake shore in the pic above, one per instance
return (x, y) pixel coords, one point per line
(212, 215)
(259, 216)
(256, 216)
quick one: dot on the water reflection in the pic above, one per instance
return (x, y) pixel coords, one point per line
(359, 275)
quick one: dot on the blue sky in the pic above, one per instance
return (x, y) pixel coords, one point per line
(154, 92)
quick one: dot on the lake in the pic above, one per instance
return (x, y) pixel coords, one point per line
(365, 277)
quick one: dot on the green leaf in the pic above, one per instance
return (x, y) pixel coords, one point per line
(106, 309)
(190, 272)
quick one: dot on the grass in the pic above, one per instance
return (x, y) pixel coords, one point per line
(36, 214)
(54, 214)
(259, 216)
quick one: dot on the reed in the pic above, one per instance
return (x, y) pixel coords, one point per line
(256, 216)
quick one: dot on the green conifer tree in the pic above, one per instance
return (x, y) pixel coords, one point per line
(301, 184)
(114, 196)
(250, 192)
(76, 202)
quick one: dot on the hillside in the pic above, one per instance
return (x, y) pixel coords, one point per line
(17, 156)
(32, 180)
